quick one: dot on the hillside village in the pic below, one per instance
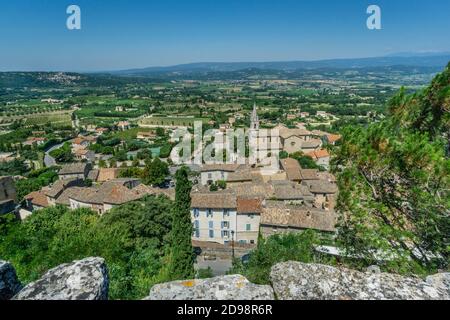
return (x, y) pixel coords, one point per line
(231, 204)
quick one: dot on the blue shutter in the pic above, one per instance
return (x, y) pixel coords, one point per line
(197, 228)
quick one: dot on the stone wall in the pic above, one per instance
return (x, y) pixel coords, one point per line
(87, 279)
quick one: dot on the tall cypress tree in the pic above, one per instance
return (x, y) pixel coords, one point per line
(182, 257)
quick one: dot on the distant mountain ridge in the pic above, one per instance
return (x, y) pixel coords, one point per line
(417, 60)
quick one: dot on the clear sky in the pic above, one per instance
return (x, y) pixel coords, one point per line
(121, 34)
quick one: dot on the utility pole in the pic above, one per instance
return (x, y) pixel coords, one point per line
(232, 243)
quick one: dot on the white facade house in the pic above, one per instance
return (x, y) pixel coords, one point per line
(216, 217)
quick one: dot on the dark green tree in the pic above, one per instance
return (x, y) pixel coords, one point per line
(182, 254)
(155, 172)
(394, 184)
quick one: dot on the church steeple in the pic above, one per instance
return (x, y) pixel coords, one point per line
(254, 120)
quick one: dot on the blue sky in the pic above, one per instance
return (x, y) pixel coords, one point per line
(121, 34)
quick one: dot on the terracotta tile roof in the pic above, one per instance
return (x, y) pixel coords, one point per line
(111, 193)
(73, 168)
(213, 200)
(62, 184)
(245, 175)
(143, 189)
(287, 190)
(317, 154)
(81, 151)
(63, 199)
(106, 174)
(246, 206)
(86, 195)
(36, 139)
(292, 168)
(90, 138)
(333, 138)
(313, 143)
(287, 133)
(117, 194)
(309, 174)
(220, 167)
(325, 175)
(37, 198)
(147, 134)
(252, 190)
(78, 140)
(321, 186)
(93, 175)
(276, 213)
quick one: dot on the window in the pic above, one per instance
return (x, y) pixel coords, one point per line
(211, 224)
(209, 213)
(243, 241)
(225, 224)
(211, 233)
(209, 175)
(197, 228)
(226, 212)
(251, 216)
(196, 212)
(248, 227)
(225, 234)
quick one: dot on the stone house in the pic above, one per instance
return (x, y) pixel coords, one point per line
(55, 190)
(321, 157)
(81, 154)
(332, 138)
(324, 192)
(80, 142)
(123, 125)
(8, 196)
(292, 140)
(33, 201)
(103, 198)
(212, 173)
(74, 170)
(35, 140)
(278, 217)
(146, 135)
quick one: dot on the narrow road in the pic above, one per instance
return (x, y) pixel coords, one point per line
(48, 159)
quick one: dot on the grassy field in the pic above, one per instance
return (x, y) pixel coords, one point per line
(130, 134)
(57, 118)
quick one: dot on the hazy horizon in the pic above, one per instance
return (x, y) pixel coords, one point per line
(122, 35)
